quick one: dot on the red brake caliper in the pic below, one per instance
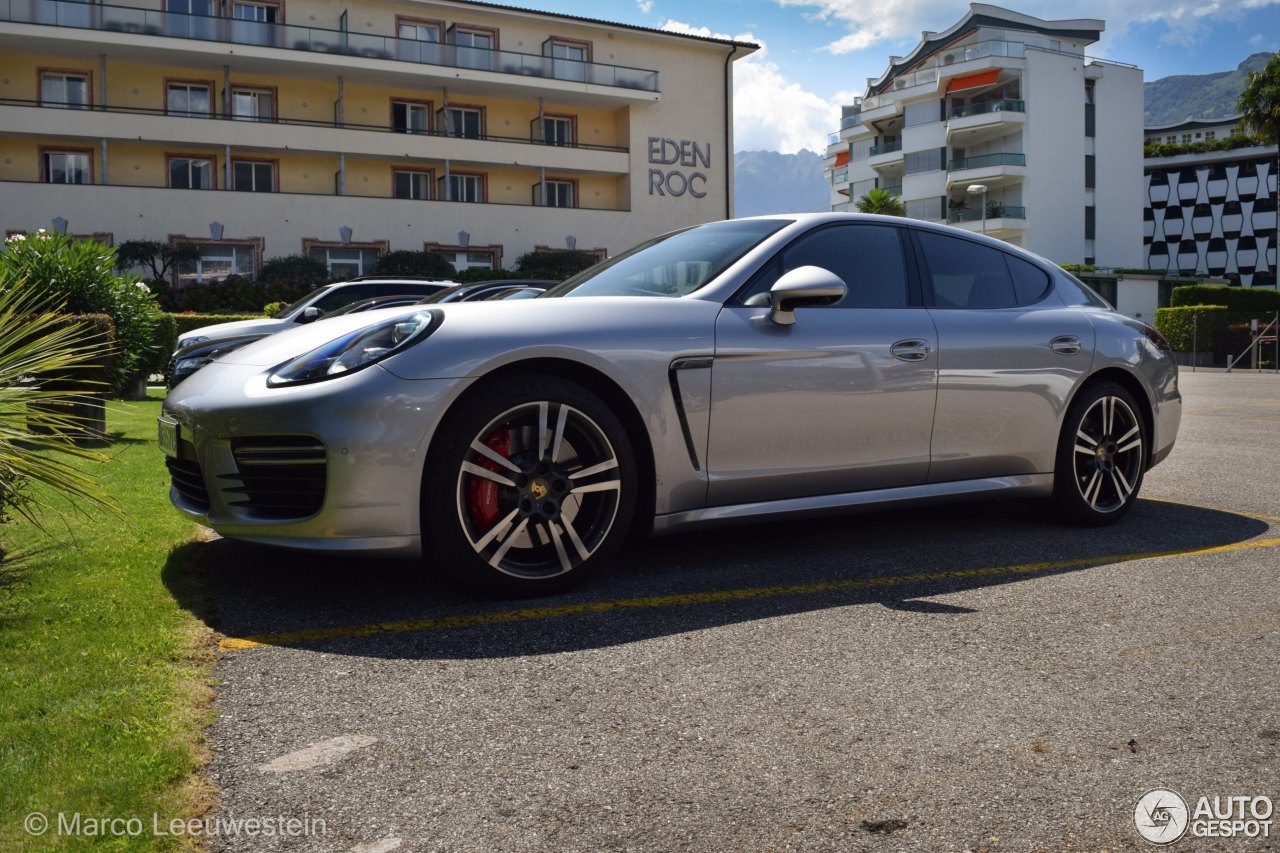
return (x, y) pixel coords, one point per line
(482, 494)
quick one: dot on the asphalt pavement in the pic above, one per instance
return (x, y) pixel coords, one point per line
(962, 678)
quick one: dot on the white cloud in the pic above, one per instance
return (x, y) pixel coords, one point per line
(772, 112)
(645, 6)
(872, 22)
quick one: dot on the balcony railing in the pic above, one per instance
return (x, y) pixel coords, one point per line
(302, 122)
(886, 148)
(986, 160)
(840, 176)
(1007, 105)
(130, 19)
(994, 211)
(851, 121)
(894, 190)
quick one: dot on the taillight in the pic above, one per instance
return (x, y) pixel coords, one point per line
(1157, 339)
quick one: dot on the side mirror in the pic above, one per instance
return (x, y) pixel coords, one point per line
(309, 315)
(803, 286)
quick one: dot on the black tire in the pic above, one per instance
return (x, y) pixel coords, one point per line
(518, 520)
(1102, 456)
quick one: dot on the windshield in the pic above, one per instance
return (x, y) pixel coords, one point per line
(289, 309)
(674, 264)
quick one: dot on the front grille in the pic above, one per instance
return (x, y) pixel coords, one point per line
(277, 476)
(187, 477)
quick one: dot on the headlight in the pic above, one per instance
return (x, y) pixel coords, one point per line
(198, 339)
(186, 364)
(357, 349)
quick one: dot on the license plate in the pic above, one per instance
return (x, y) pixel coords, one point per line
(169, 437)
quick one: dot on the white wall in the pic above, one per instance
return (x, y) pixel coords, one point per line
(1053, 88)
(1118, 98)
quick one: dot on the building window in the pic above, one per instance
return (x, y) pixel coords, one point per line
(1090, 171)
(67, 167)
(469, 257)
(418, 30)
(411, 183)
(929, 160)
(1210, 134)
(1171, 138)
(345, 260)
(569, 58)
(475, 46)
(467, 122)
(1090, 222)
(190, 7)
(253, 176)
(189, 99)
(253, 104)
(191, 173)
(64, 90)
(469, 188)
(560, 193)
(1186, 139)
(555, 130)
(218, 259)
(263, 13)
(411, 116)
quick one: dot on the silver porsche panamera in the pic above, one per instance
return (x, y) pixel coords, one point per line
(773, 367)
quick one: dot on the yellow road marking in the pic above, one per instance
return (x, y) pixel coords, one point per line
(440, 623)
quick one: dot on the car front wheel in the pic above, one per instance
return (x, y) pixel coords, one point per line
(531, 488)
(1102, 456)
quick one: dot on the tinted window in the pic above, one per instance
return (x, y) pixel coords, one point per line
(341, 297)
(868, 259)
(966, 274)
(1029, 281)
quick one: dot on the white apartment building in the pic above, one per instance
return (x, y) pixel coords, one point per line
(1002, 124)
(252, 129)
(1210, 212)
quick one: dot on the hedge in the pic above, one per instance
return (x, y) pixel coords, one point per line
(1178, 325)
(101, 328)
(1232, 298)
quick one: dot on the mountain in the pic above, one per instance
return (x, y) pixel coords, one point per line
(769, 182)
(1172, 99)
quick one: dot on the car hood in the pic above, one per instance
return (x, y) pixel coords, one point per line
(265, 326)
(473, 335)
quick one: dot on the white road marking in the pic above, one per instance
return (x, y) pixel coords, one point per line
(384, 845)
(318, 754)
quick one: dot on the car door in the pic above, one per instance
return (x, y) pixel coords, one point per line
(842, 400)
(1011, 352)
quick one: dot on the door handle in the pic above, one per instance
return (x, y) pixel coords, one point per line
(1065, 344)
(915, 350)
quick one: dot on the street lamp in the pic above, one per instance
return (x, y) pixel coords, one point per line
(981, 189)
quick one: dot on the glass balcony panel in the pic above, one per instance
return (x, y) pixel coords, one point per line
(994, 211)
(1006, 105)
(886, 148)
(986, 160)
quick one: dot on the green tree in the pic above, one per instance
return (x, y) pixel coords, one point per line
(424, 264)
(883, 202)
(79, 274)
(37, 413)
(160, 258)
(1259, 108)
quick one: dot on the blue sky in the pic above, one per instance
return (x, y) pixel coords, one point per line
(819, 53)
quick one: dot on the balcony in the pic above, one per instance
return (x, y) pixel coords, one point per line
(840, 176)
(974, 124)
(985, 107)
(150, 22)
(1002, 220)
(987, 160)
(894, 190)
(113, 122)
(886, 148)
(886, 156)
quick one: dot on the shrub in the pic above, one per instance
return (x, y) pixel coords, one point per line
(39, 409)
(234, 294)
(271, 309)
(79, 275)
(558, 264)
(1078, 268)
(410, 263)
(1178, 325)
(294, 269)
(180, 324)
(1234, 298)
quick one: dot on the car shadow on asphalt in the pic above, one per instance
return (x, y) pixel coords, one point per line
(665, 586)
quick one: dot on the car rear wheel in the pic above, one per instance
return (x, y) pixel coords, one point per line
(1102, 456)
(531, 488)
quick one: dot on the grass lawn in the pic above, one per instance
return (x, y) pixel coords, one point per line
(104, 676)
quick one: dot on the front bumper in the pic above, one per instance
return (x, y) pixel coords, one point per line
(374, 428)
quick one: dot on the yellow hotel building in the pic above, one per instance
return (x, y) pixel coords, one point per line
(259, 128)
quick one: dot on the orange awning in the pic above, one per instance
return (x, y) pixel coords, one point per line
(842, 158)
(973, 81)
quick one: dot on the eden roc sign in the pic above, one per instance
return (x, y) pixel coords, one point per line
(689, 156)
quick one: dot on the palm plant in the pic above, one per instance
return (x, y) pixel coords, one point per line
(1259, 108)
(883, 202)
(37, 413)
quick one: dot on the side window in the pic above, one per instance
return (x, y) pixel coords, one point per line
(965, 274)
(868, 258)
(341, 297)
(1029, 281)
